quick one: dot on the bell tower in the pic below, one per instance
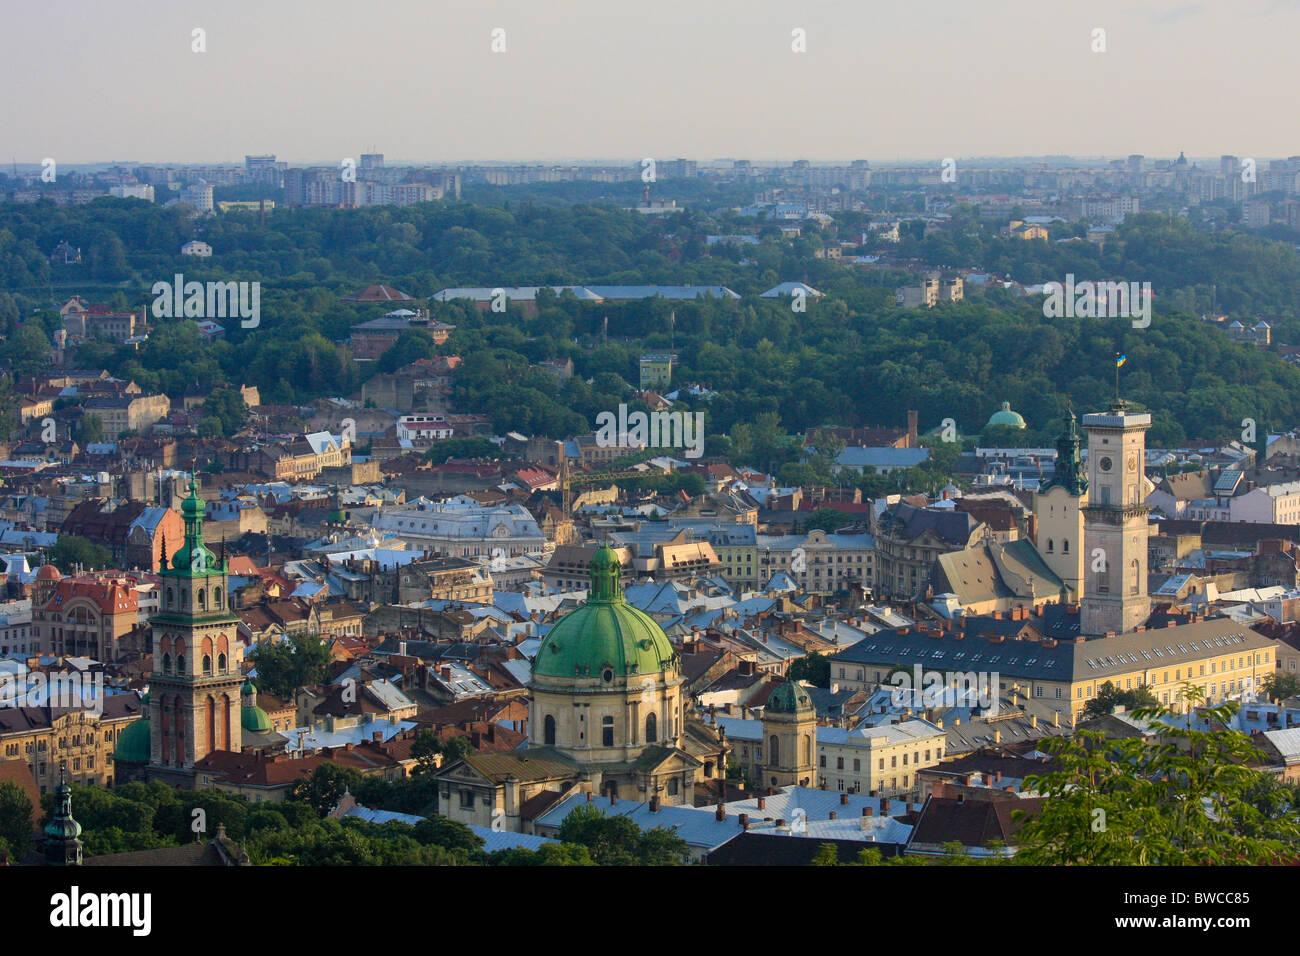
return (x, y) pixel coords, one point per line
(1058, 506)
(1115, 595)
(194, 689)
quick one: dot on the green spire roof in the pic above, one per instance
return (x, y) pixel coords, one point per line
(1069, 467)
(194, 558)
(606, 636)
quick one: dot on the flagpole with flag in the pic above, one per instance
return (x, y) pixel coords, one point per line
(1119, 360)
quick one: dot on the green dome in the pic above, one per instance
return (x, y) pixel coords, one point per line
(1007, 417)
(254, 720)
(605, 633)
(248, 689)
(135, 744)
(789, 698)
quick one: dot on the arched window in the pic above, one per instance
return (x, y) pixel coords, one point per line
(1134, 577)
(607, 731)
(164, 721)
(167, 664)
(1049, 545)
(171, 598)
(651, 728)
(216, 598)
(774, 750)
(203, 599)
(221, 663)
(180, 663)
(807, 749)
(1065, 545)
(226, 706)
(185, 598)
(207, 665)
(211, 715)
(548, 731)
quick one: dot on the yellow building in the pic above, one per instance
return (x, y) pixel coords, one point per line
(80, 740)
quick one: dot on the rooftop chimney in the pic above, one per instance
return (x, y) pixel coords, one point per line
(720, 814)
(844, 799)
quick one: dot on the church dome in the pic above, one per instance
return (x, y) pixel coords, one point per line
(1005, 416)
(254, 719)
(606, 637)
(789, 698)
(48, 572)
(251, 717)
(135, 744)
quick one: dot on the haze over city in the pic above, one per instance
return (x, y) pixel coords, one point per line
(585, 78)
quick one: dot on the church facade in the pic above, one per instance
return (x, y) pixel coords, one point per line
(608, 716)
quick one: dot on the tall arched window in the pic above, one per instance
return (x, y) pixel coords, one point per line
(203, 599)
(1133, 577)
(607, 731)
(216, 598)
(221, 663)
(807, 749)
(171, 598)
(207, 665)
(548, 731)
(1049, 545)
(211, 720)
(164, 722)
(773, 750)
(226, 706)
(1065, 545)
(651, 728)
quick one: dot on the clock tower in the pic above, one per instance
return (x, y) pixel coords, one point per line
(1115, 522)
(194, 690)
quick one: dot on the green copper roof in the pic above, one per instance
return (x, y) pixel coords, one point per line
(1007, 417)
(135, 745)
(1069, 468)
(194, 559)
(605, 633)
(789, 698)
(254, 720)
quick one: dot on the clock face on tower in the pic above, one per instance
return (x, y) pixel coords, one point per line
(1105, 464)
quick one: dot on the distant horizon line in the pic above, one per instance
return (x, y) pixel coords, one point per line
(665, 158)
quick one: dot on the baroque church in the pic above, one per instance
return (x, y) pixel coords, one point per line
(608, 716)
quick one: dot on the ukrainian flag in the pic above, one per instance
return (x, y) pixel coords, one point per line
(1120, 360)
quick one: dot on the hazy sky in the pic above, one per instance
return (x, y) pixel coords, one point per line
(318, 80)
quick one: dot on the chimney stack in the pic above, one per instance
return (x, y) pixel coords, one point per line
(844, 799)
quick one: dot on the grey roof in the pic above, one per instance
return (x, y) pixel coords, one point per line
(505, 840)
(698, 827)
(858, 457)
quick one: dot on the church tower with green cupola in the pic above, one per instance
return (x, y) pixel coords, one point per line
(1058, 511)
(195, 686)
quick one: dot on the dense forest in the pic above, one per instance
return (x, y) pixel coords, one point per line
(853, 357)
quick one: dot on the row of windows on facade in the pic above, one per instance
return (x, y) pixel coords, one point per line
(167, 650)
(41, 746)
(200, 598)
(606, 730)
(893, 783)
